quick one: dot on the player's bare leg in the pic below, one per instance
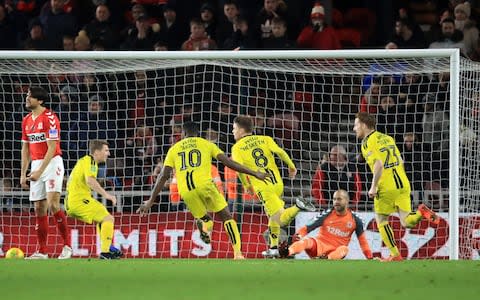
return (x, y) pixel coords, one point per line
(231, 228)
(41, 227)
(53, 200)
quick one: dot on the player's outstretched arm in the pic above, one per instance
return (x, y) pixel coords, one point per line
(300, 234)
(162, 178)
(240, 168)
(292, 170)
(95, 185)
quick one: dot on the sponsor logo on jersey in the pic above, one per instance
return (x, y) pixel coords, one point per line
(337, 232)
(53, 133)
(37, 138)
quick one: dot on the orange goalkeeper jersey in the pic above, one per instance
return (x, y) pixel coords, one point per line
(337, 230)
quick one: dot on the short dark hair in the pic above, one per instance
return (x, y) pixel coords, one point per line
(245, 122)
(95, 145)
(366, 119)
(448, 20)
(279, 21)
(231, 2)
(38, 93)
(196, 21)
(191, 128)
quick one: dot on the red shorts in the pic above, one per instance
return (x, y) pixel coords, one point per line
(319, 248)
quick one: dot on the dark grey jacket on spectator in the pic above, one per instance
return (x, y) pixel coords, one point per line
(55, 26)
(104, 32)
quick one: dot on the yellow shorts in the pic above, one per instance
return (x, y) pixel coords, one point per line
(278, 187)
(271, 201)
(88, 210)
(203, 199)
(390, 201)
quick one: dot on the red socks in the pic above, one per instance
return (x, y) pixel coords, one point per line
(42, 233)
(62, 226)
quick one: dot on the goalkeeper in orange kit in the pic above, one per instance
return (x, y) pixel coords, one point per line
(336, 227)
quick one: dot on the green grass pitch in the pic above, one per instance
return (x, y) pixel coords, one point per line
(231, 280)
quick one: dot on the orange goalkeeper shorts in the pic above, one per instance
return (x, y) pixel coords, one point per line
(319, 248)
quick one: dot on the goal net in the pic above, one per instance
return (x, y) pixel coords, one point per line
(305, 100)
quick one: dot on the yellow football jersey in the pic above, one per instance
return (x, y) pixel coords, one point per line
(379, 146)
(256, 152)
(77, 187)
(192, 160)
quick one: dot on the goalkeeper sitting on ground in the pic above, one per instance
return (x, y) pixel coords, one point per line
(336, 227)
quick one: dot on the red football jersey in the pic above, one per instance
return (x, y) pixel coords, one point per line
(37, 131)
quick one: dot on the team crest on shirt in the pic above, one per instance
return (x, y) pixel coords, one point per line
(53, 133)
(349, 225)
(40, 126)
(369, 153)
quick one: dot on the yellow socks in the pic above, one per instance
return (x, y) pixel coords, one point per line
(232, 231)
(208, 225)
(386, 233)
(274, 229)
(106, 236)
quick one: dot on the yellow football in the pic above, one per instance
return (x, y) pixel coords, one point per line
(14, 253)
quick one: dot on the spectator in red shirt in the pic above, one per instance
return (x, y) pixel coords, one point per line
(198, 38)
(318, 35)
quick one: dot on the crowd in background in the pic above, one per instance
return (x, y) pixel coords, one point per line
(140, 113)
(229, 24)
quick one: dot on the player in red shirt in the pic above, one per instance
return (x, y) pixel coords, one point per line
(41, 146)
(336, 227)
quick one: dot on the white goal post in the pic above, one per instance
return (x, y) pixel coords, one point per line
(303, 97)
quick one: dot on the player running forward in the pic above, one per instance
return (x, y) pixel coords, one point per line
(257, 152)
(79, 202)
(41, 147)
(336, 227)
(191, 158)
(390, 186)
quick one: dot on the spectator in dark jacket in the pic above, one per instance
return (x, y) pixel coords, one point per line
(279, 39)
(36, 39)
(241, 37)
(173, 32)
(57, 23)
(207, 14)
(333, 174)
(225, 25)
(102, 29)
(7, 30)
(92, 125)
(142, 37)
